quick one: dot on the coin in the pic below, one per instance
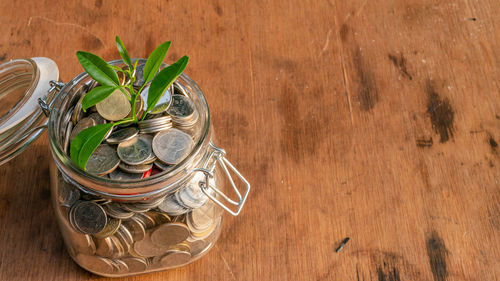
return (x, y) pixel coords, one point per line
(67, 136)
(191, 195)
(162, 104)
(115, 107)
(83, 124)
(122, 266)
(136, 264)
(172, 207)
(181, 106)
(97, 118)
(103, 161)
(172, 146)
(88, 217)
(67, 194)
(136, 169)
(118, 174)
(139, 75)
(146, 248)
(77, 112)
(134, 151)
(95, 264)
(125, 238)
(105, 247)
(114, 211)
(197, 246)
(118, 247)
(162, 165)
(136, 228)
(175, 258)
(111, 227)
(122, 135)
(169, 234)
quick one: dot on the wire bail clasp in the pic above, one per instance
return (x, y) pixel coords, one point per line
(218, 156)
(47, 101)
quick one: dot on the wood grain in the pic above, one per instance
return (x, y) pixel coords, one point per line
(374, 120)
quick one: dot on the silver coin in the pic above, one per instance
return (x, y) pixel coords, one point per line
(118, 174)
(175, 258)
(155, 129)
(172, 146)
(136, 169)
(181, 107)
(136, 264)
(67, 136)
(191, 195)
(83, 124)
(162, 165)
(97, 118)
(88, 217)
(95, 264)
(169, 234)
(162, 104)
(122, 135)
(115, 211)
(77, 113)
(149, 140)
(67, 194)
(172, 207)
(134, 151)
(139, 75)
(103, 161)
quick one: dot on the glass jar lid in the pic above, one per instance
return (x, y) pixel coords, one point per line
(22, 83)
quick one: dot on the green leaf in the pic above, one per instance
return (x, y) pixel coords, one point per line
(163, 80)
(96, 95)
(84, 144)
(98, 69)
(123, 52)
(154, 61)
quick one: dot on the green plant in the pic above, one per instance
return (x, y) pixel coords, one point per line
(85, 143)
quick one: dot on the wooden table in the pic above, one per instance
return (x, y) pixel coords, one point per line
(374, 120)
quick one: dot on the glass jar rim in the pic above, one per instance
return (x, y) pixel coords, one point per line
(108, 187)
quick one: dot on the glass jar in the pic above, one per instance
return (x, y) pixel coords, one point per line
(120, 228)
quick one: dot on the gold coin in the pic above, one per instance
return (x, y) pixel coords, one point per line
(110, 228)
(115, 107)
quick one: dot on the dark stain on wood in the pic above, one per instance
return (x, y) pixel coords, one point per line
(98, 3)
(472, 19)
(3, 57)
(149, 45)
(424, 142)
(91, 42)
(436, 251)
(492, 143)
(344, 31)
(384, 274)
(400, 63)
(367, 91)
(298, 125)
(441, 113)
(218, 10)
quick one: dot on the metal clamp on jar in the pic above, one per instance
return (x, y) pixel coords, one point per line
(114, 226)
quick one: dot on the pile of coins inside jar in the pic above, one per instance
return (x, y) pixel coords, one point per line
(165, 231)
